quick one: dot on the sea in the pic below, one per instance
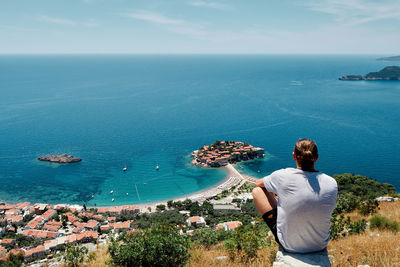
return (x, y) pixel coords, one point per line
(140, 111)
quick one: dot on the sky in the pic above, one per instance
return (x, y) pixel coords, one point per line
(200, 26)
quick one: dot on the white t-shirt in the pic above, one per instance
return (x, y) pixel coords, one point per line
(305, 205)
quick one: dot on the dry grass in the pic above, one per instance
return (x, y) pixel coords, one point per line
(391, 210)
(101, 257)
(377, 248)
(382, 250)
(201, 257)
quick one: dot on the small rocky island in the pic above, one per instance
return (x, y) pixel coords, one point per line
(220, 153)
(391, 73)
(64, 158)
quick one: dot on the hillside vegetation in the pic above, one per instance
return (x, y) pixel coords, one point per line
(363, 231)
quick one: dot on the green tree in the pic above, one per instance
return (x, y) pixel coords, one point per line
(74, 255)
(170, 203)
(160, 207)
(13, 260)
(161, 246)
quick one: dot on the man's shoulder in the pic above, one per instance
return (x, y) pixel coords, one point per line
(328, 180)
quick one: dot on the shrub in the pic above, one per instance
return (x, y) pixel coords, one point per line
(161, 246)
(341, 227)
(74, 255)
(346, 203)
(357, 227)
(368, 207)
(245, 242)
(206, 237)
(13, 260)
(383, 223)
(160, 207)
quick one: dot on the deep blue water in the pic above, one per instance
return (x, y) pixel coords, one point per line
(144, 110)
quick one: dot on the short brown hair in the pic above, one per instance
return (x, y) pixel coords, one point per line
(306, 153)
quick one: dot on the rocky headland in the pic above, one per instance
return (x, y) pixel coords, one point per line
(391, 73)
(64, 158)
(394, 58)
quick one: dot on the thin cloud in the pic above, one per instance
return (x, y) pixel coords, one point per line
(354, 12)
(18, 29)
(153, 17)
(214, 5)
(59, 21)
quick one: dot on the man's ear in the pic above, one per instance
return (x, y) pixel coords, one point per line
(294, 156)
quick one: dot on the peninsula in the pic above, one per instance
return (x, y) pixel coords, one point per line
(391, 73)
(64, 158)
(394, 58)
(220, 153)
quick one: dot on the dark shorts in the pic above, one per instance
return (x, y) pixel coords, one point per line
(270, 218)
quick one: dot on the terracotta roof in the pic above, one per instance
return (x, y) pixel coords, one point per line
(111, 219)
(12, 211)
(16, 219)
(98, 217)
(76, 230)
(233, 224)
(121, 225)
(39, 233)
(7, 241)
(23, 205)
(37, 249)
(8, 206)
(115, 209)
(91, 224)
(81, 236)
(72, 218)
(128, 207)
(102, 210)
(79, 224)
(48, 214)
(35, 222)
(104, 227)
(194, 219)
(50, 227)
(85, 214)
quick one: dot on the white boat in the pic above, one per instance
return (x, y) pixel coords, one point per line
(112, 191)
(125, 168)
(112, 200)
(127, 193)
(157, 167)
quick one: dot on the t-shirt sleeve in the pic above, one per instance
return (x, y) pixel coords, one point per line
(271, 182)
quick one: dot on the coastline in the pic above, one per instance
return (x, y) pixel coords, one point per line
(232, 178)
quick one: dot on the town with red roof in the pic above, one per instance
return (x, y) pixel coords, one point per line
(220, 153)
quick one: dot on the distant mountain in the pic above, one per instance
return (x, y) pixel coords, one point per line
(395, 58)
(391, 73)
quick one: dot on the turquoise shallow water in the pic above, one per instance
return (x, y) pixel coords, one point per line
(144, 110)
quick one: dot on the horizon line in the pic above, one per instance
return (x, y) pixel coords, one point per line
(173, 54)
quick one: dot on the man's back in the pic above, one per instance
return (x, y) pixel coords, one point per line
(306, 201)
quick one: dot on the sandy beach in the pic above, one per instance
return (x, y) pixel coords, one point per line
(233, 178)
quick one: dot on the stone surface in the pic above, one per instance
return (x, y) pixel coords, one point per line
(387, 199)
(287, 259)
(64, 158)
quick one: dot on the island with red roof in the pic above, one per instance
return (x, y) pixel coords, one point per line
(220, 153)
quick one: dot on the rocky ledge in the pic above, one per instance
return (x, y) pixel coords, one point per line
(64, 158)
(391, 73)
